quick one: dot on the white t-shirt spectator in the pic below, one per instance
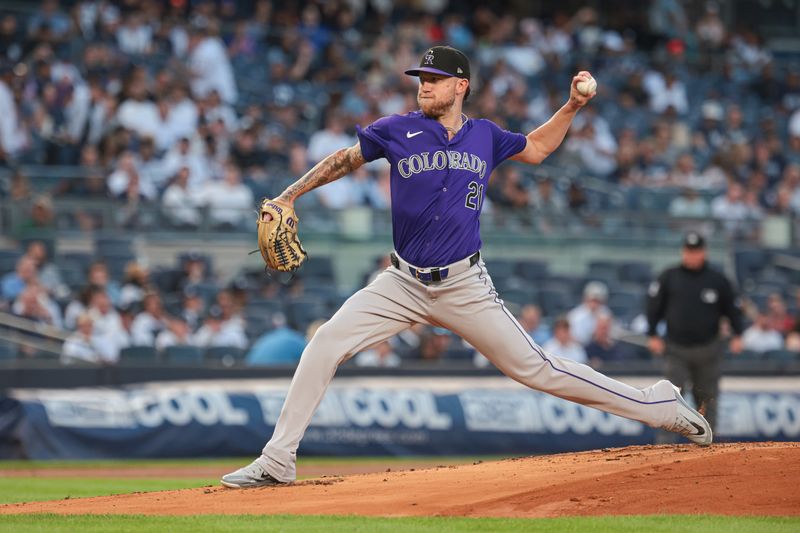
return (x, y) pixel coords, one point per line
(95, 349)
(324, 142)
(134, 37)
(227, 203)
(583, 321)
(140, 116)
(572, 350)
(212, 70)
(230, 333)
(144, 329)
(756, 339)
(12, 137)
(180, 205)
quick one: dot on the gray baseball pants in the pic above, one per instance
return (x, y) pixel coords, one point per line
(468, 305)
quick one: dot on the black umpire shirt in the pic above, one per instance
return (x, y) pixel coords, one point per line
(692, 302)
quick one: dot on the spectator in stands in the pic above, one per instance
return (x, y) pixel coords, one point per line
(562, 344)
(583, 318)
(138, 112)
(76, 307)
(24, 275)
(760, 337)
(734, 213)
(86, 346)
(230, 202)
(545, 198)
(177, 333)
(98, 277)
(47, 271)
(41, 219)
(530, 318)
(433, 343)
(210, 67)
(688, 205)
(180, 203)
(666, 91)
(106, 320)
(149, 322)
(328, 140)
(779, 318)
(381, 355)
(125, 182)
(134, 36)
(281, 345)
(219, 331)
(34, 304)
(49, 23)
(603, 348)
(135, 284)
(184, 154)
(13, 136)
(192, 307)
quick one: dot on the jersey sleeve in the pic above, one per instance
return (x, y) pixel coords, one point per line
(505, 143)
(374, 139)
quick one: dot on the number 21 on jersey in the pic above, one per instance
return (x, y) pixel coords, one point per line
(475, 195)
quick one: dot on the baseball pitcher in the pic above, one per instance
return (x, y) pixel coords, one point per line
(441, 161)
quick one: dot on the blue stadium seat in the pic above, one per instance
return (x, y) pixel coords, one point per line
(530, 269)
(555, 301)
(8, 350)
(224, 355)
(118, 245)
(635, 271)
(138, 355)
(318, 267)
(181, 354)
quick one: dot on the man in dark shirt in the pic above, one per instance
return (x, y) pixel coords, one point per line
(692, 298)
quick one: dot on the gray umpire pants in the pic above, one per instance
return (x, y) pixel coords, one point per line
(697, 368)
(468, 305)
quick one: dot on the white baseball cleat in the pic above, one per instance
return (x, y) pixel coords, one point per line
(690, 423)
(252, 475)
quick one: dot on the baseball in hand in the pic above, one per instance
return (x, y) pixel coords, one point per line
(586, 87)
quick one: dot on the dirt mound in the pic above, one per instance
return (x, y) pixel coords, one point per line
(729, 479)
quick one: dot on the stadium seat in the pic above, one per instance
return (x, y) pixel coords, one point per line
(748, 263)
(635, 271)
(8, 260)
(138, 354)
(304, 311)
(555, 301)
(500, 268)
(784, 356)
(118, 245)
(181, 354)
(531, 270)
(603, 270)
(224, 355)
(317, 267)
(8, 350)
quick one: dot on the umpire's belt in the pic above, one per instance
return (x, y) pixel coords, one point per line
(435, 274)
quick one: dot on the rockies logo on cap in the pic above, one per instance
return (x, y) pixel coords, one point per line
(443, 60)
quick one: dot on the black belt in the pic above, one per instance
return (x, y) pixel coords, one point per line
(426, 276)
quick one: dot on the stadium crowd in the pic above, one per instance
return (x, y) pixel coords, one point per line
(199, 108)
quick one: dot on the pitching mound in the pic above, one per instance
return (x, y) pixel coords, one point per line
(727, 479)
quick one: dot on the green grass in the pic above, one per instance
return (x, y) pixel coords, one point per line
(328, 524)
(30, 489)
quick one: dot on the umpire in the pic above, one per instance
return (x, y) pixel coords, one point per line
(692, 298)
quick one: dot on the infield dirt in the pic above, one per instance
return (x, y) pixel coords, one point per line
(725, 479)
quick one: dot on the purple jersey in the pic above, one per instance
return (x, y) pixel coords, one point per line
(438, 185)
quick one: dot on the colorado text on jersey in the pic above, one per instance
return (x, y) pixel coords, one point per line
(440, 159)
